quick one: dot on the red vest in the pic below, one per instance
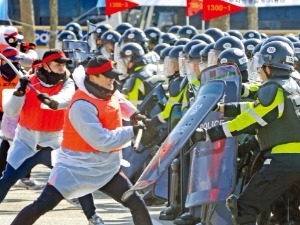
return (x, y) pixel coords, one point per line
(33, 117)
(7, 85)
(109, 115)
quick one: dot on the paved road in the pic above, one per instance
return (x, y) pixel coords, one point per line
(65, 213)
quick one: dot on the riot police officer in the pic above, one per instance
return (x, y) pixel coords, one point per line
(135, 64)
(274, 115)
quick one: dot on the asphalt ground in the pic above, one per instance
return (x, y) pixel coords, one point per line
(66, 214)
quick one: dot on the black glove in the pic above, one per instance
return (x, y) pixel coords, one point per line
(137, 116)
(138, 126)
(22, 88)
(44, 98)
(199, 135)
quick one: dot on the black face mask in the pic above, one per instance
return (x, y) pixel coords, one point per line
(98, 91)
(7, 72)
(50, 77)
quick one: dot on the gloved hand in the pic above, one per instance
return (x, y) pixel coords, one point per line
(218, 107)
(23, 85)
(139, 125)
(32, 46)
(199, 135)
(137, 116)
(44, 98)
(24, 47)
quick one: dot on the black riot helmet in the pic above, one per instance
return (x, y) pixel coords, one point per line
(279, 38)
(136, 35)
(190, 44)
(132, 51)
(76, 28)
(159, 47)
(236, 33)
(195, 50)
(122, 27)
(110, 36)
(249, 45)
(204, 37)
(174, 29)
(153, 34)
(228, 42)
(215, 33)
(187, 31)
(165, 52)
(292, 37)
(234, 55)
(252, 34)
(101, 28)
(182, 41)
(174, 53)
(205, 51)
(66, 34)
(168, 38)
(278, 55)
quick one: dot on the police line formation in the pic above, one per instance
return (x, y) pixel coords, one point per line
(218, 112)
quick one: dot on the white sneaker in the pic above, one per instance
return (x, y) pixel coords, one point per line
(74, 202)
(96, 220)
(29, 183)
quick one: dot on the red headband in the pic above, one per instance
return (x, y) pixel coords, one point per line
(99, 69)
(53, 57)
(12, 34)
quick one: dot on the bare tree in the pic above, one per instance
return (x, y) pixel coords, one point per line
(252, 18)
(222, 23)
(27, 19)
(53, 22)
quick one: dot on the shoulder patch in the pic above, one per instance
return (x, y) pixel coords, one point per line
(267, 93)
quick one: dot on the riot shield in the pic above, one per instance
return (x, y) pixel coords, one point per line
(213, 165)
(209, 94)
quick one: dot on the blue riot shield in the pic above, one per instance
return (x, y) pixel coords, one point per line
(208, 96)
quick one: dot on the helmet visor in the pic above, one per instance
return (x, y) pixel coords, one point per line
(170, 66)
(213, 56)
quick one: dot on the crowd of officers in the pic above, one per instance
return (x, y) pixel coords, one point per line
(269, 69)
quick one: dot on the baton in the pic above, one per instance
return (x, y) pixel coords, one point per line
(21, 75)
(138, 139)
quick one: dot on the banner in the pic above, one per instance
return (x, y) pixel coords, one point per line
(3, 10)
(114, 6)
(216, 8)
(193, 7)
(161, 2)
(263, 3)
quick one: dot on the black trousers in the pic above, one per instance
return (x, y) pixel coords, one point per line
(264, 188)
(50, 197)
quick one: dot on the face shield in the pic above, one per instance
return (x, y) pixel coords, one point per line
(203, 64)
(213, 56)
(170, 66)
(160, 67)
(193, 72)
(254, 66)
(182, 60)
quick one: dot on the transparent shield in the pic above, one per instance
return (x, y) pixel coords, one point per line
(160, 67)
(170, 65)
(193, 72)
(181, 63)
(213, 57)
